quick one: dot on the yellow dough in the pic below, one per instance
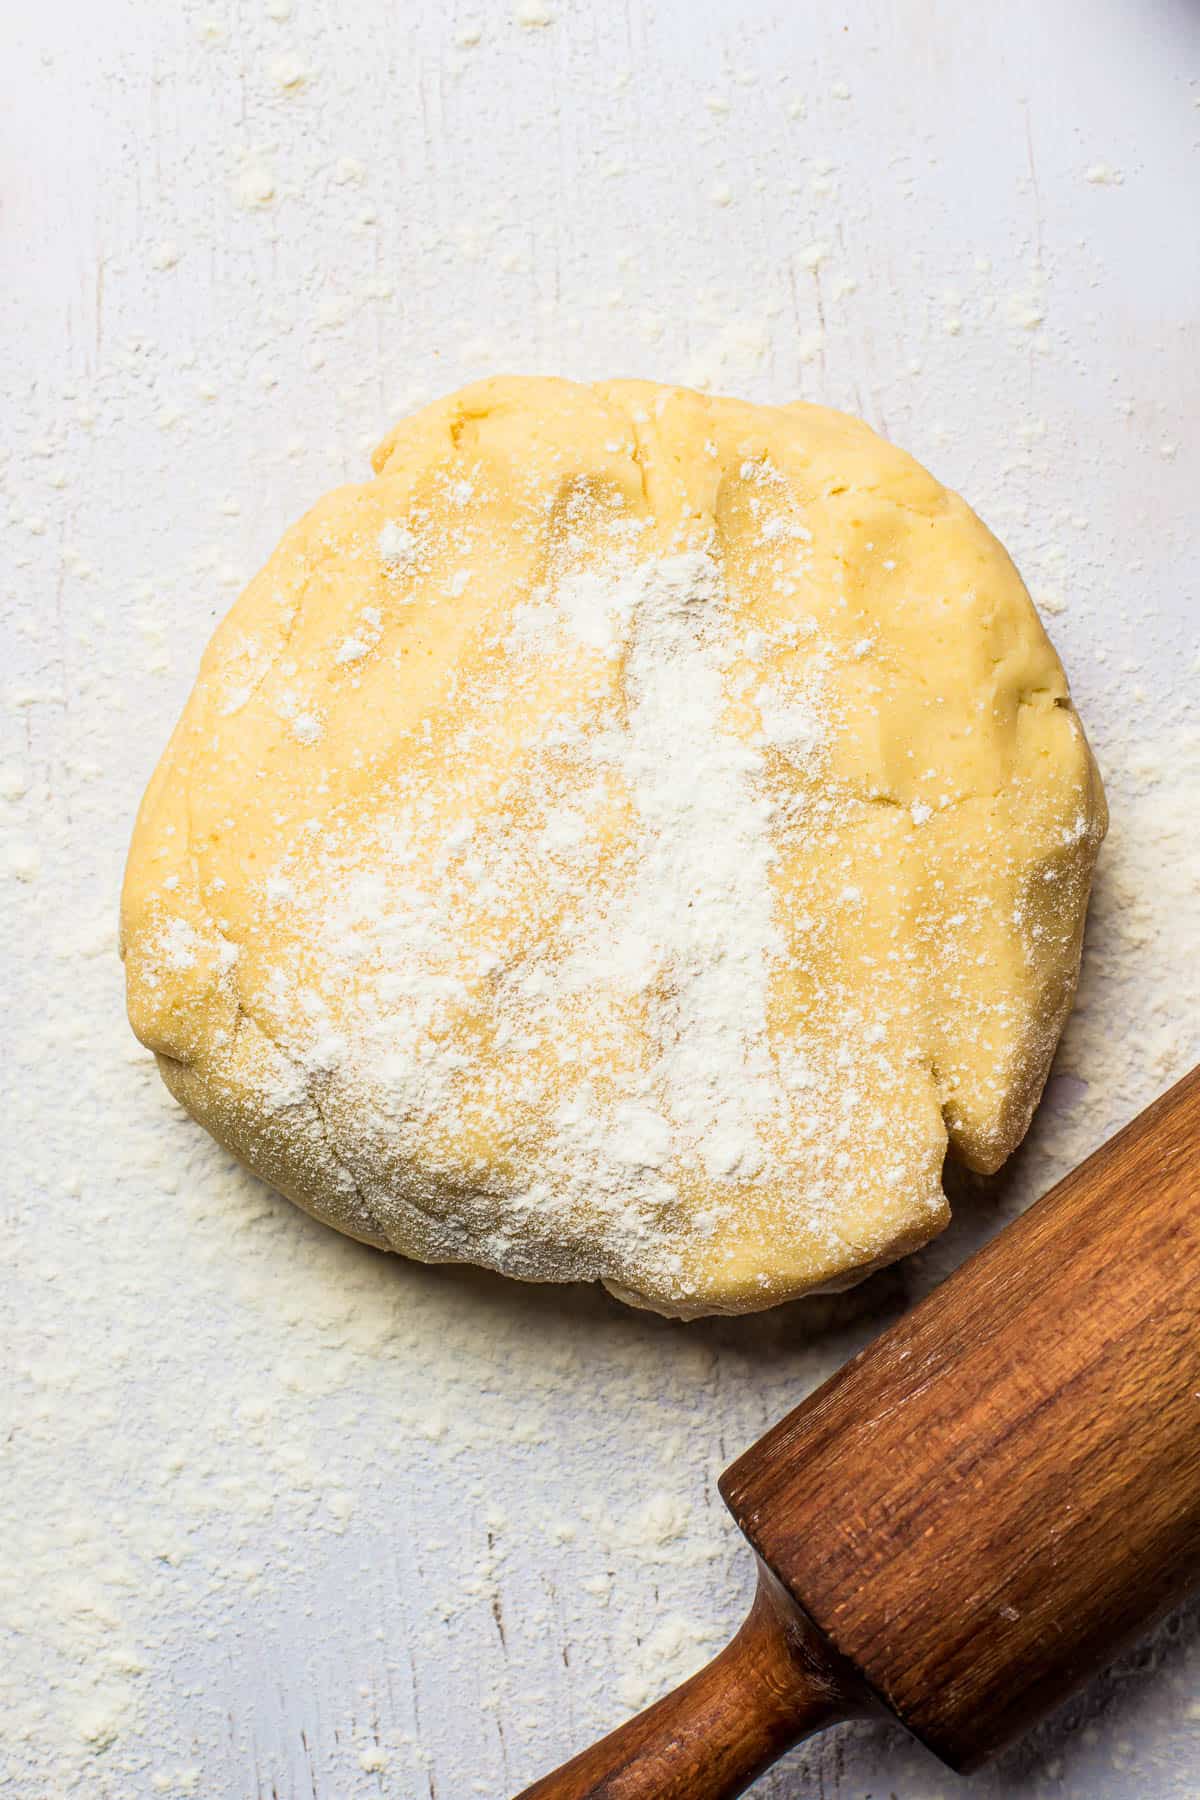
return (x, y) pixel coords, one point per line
(625, 840)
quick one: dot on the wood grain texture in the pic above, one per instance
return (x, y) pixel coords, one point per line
(984, 1504)
(775, 1683)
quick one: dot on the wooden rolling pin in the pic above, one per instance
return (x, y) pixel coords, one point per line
(967, 1520)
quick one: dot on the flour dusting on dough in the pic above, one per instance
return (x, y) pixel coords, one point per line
(625, 842)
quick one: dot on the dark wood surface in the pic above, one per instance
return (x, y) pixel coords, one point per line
(988, 1501)
(773, 1685)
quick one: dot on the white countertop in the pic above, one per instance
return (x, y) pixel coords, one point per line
(285, 1517)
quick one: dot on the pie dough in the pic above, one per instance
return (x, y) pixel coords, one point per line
(627, 840)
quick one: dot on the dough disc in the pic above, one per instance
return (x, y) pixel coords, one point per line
(626, 840)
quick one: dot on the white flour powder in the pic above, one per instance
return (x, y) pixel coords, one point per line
(197, 1376)
(400, 922)
(695, 927)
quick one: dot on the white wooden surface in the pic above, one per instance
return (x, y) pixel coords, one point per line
(283, 1517)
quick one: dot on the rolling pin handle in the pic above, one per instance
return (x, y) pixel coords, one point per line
(776, 1683)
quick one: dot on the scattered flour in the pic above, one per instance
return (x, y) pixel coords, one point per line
(192, 1367)
(683, 923)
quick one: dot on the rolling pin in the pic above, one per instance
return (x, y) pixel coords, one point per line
(973, 1515)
